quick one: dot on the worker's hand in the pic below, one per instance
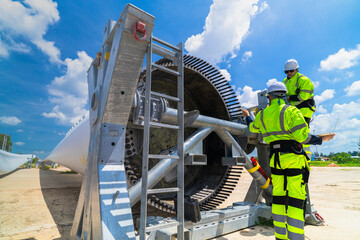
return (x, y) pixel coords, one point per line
(327, 137)
(245, 112)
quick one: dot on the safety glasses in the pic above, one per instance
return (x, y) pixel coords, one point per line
(289, 71)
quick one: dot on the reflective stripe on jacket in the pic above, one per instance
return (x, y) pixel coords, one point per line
(282, 122)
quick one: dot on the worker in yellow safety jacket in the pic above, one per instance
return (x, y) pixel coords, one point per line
(285, 129)
(300, 89)
(300, 93)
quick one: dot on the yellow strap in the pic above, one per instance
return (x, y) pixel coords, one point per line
(251, 170)
(107, 56)
(266, 185)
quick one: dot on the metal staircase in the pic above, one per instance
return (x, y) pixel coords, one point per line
(175, 54)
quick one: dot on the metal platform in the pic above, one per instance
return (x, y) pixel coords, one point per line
(215, 222)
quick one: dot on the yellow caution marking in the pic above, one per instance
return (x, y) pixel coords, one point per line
(251, 170)
(266, 185)
(107, 56)
(83, 160)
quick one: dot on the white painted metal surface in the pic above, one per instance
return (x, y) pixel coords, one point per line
(72, 151)
(11, 161)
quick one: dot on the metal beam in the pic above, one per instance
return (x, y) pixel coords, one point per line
(170, 115)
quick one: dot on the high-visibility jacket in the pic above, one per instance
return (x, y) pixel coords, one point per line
(302, 87)
(282, 122)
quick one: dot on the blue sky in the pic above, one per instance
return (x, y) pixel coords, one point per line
(46, 47)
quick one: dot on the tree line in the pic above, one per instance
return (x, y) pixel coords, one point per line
(8, 144)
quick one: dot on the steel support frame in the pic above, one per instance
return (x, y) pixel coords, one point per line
(103, 210)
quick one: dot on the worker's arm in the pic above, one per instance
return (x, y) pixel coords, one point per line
(245, 113)
(249, 122)
(315, 140)
(306, 90)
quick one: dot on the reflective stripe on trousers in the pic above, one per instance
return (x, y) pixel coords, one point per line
(287, 207)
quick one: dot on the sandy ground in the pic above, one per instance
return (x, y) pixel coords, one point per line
(38, 204)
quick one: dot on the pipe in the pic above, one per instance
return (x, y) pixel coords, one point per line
(170, 116)
(228, 139)
(161, 169)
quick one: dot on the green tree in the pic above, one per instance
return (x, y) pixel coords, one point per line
(342, 157)
(35, 159)
(8, 143)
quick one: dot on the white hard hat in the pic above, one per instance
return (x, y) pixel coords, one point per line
(291, 64)
(278, 87)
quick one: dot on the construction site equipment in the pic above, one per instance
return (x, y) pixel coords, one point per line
(156, 135)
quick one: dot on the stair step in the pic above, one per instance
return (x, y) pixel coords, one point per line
(165, 69)
(158, 40)
(165, 96)
(163, 52)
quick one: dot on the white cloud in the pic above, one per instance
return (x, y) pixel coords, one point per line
(341, 60)
(348, 109)
(246, 56)
(324, 96)
(350, 74)
(271, 81)
(226, 74)
(8, 44)
(19, 130)
(247, 97)
(69, 93)
(29, 20)
(19, 143)
(39, 152)
(354, 89)
(345, 118)
(226, 26)
(10, 120)
(321, 109)
(316, 84)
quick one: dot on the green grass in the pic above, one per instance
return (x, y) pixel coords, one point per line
(46, 167)
(25, 165)
(69, 172)
(356, 163)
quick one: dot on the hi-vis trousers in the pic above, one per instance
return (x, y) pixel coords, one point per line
(288, 203)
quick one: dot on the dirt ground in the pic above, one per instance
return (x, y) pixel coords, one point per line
(38, 204)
